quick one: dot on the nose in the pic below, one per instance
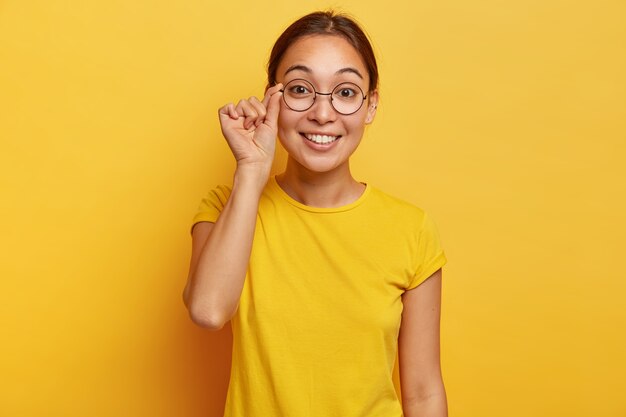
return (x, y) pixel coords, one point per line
(322, 110)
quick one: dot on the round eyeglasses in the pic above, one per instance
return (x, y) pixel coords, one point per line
(346, 98)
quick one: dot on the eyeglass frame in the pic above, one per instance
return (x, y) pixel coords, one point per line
(316, 93)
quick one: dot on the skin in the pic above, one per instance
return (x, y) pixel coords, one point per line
(315, 176)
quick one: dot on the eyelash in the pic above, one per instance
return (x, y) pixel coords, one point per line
(309, 91)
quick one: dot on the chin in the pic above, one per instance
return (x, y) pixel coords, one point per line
(319, 165)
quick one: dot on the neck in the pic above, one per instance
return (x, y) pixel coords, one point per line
(334, 188)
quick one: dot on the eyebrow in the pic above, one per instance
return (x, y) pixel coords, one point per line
(308, 70)
(350, 69)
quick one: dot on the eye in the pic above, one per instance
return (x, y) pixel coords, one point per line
(346, 92)
(299, 89)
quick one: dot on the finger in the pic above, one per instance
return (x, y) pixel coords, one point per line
(273, 108)
(228, 110)
(232, 111)
(245, 109)
(260, 109)
(271, 91)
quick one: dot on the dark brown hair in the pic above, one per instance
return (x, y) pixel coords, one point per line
(324, 23)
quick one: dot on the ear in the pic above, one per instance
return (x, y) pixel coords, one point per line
(372, 105)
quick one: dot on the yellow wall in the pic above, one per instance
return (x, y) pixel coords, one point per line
(505, 120)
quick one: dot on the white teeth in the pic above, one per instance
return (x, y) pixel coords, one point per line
(320, 138)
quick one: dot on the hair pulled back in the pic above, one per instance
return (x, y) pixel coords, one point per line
(324, 23)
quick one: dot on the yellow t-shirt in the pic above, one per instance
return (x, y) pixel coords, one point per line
(316, 331)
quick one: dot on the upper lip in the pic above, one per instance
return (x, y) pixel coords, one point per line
(320, 134)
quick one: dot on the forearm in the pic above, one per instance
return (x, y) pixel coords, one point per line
(435, 405)
(217, 281)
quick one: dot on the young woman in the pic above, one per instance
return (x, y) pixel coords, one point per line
(324, 278)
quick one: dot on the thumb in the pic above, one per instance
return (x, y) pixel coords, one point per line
(273, 108)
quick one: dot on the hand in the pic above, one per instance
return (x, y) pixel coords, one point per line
(250, 128)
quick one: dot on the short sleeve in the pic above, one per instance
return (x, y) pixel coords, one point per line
(212, 205)
(430, 255)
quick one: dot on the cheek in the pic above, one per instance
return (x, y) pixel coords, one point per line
(284, 129)
(358, 123)
(287, 120)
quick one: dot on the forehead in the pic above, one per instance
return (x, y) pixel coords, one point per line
(325, 55)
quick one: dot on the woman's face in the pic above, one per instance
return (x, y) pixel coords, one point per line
(325, 61)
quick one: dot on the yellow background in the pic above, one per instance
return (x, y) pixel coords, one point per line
(505, 120)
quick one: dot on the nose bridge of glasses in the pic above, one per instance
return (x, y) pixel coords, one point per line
(330, 101)
(317, 93)
(342, 106)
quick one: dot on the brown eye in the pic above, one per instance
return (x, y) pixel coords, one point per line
(299, 89)
(346, 92)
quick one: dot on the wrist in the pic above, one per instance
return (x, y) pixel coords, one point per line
(251, 178)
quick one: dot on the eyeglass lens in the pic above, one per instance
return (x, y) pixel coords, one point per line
(346, 98)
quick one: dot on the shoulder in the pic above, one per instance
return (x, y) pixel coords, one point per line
(396, 208)
(212, 204)
(216, 197)
(220, 193)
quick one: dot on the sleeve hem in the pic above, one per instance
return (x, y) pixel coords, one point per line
(437, 262)
(201, 217)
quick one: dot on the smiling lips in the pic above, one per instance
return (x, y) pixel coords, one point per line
(321, 139)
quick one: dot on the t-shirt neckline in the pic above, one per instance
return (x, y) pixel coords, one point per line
(274, 184)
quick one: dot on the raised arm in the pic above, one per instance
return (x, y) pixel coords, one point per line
(221, 250)
(423, 392)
